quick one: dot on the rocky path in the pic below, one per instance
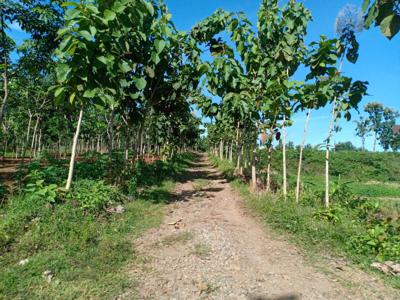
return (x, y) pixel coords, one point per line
(209, 247)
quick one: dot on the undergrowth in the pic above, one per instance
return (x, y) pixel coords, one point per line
(66, 245)
(360, 229)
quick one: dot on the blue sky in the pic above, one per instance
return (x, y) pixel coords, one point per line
(379, 61)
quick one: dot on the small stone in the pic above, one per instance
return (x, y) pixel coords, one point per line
(23, 262)
(48, 275)
(381, 267)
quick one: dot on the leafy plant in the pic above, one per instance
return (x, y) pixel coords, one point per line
(39, 190)
(93, 196)
(332, 213)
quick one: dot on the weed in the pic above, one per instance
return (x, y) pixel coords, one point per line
(178, 238)
(200, 183)
(201, 250)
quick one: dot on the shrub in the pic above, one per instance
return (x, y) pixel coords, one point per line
(93, 196)
(39, 191)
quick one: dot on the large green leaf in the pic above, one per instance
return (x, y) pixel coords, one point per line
(390, 26)
(159, 45)
(109, 15)
(63, 71)
(140, 83)
(86, 34)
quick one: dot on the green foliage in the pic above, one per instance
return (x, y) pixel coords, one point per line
(93, 195)
(383, 13)
(84, 246)
(364, 230)
(40, 191)
(357, 167)
(352, 227)
(3, 193)
(332, 214)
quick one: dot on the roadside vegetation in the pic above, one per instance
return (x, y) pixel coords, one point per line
(102, 99)
(359, 227)
(75, 244)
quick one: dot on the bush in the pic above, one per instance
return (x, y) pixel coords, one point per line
(93, 196)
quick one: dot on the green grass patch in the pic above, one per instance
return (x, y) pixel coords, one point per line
(201, 250)
(57, 245)
(177, 238)
(364, 230)
(200, 183)
(317, 230)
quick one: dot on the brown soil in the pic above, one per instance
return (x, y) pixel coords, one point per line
(210, 247)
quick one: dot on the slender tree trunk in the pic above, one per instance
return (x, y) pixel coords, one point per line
(27, 135)
(269, 166)
(59, 147)
(5, 82)
(34, 133)
(33, 144)
(231, 152)
(127, 141)
(375, 139)
(39, 143)
(73, 151)
(284, 158)
(254, 170)
(98, 144)
(221, 150)
(241, 158)
(328, 152)
(301, 155)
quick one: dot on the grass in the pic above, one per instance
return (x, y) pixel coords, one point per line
(314, 235)
(200, 183)
(85, 252)
(201, 250)
(178, 238)
(335, 232)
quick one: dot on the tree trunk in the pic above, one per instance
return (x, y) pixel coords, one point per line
(239, 155)
(34, 137)
(375, 138)
(39, 148)
(34, 133)
(241, 158)
(301, 155)
(284, 158)
(27, 135)
(254, 171)
(269, 166)
(221, 150)
(73, 151)
(327, 154)
(231, 152)
(5, 82)
(127, 141)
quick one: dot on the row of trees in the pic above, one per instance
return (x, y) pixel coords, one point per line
(125, 78)
(117, 75)
(381, 123)
(258, 94)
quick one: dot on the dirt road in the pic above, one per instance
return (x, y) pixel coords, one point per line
(210, 247)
